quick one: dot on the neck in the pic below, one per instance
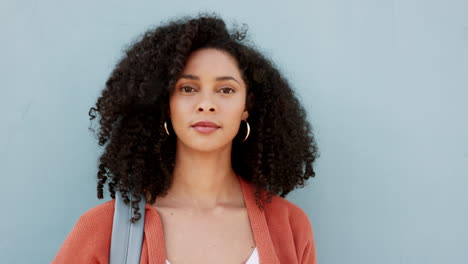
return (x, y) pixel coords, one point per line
(203, 179)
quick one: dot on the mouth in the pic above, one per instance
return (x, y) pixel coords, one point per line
(205, 129)
(205, 126)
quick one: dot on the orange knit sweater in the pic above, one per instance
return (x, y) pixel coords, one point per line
(282, 232)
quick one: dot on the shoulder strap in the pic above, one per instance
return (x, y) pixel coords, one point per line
(127, 237)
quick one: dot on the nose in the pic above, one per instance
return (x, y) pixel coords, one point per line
(201, 109)
(207, 104)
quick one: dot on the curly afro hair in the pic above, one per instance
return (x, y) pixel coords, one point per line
(134, 105)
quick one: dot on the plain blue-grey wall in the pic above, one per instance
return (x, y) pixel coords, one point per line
(385, 84)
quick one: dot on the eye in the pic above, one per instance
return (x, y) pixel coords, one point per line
(227, 89)
(185, 90)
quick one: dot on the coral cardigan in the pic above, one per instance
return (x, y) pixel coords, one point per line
(282, 233)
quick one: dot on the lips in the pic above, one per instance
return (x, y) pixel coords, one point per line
(205, 124)
(205, 127)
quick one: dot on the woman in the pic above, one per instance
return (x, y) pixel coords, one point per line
(212, 134)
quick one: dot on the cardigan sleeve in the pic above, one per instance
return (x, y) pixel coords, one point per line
(89, 240)
(304, 237)
(309, 255)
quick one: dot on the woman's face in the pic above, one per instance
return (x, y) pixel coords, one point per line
(210, 89)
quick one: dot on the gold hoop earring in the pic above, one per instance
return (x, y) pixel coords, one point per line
(165, 127)
(248, 131)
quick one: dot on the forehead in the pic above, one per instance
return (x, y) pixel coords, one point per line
(211, 62)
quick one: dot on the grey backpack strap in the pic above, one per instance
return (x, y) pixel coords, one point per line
(127, 237)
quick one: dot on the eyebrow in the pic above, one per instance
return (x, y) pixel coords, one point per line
(221, 78)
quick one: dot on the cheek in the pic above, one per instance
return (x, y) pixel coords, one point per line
(177, 105)
(179, 113)
(232, 118)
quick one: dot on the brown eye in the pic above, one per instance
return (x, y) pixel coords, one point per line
(185, 90)
(227, 89)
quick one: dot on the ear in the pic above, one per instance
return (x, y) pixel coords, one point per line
(245, 115)
(250, 101)
(249, 104)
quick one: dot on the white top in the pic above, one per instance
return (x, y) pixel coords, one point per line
(253, 259)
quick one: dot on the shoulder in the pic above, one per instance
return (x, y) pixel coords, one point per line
(100, 213)
(281, 213)
(289, 222)
(89, 240)
(288, 211)
(96, 220)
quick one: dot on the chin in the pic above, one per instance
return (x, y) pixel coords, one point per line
(206, 145)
